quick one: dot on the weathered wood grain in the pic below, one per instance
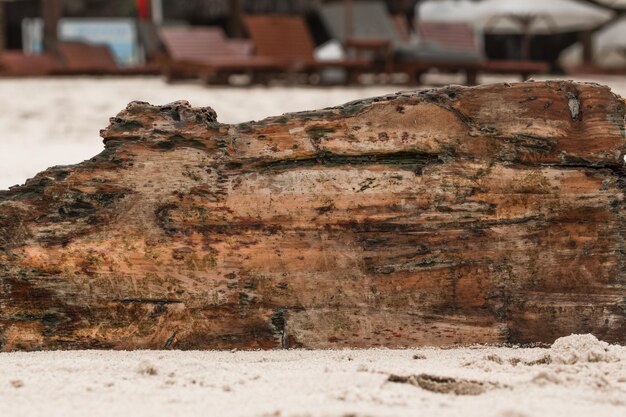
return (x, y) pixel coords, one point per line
(492, 214)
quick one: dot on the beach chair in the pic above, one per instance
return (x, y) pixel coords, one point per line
(70, 58)
(79, 58)
(18, 64)
(287, 39)
(207, 53)
(460, 36)
(371, 20)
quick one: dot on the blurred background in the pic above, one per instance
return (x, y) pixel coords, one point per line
(66, 66)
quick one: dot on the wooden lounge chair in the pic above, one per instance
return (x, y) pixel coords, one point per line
(594, 69)
(71, 58)
(371, 20)
(18, 64)
(79, 58)
(207, 53)
(462, 36)
(287, 39)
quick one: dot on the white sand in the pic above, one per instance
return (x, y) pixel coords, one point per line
(56, 121)
(506, 382)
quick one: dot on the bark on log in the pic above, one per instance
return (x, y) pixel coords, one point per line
(492, 214)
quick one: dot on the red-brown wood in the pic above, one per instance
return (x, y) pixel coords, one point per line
(492, 214)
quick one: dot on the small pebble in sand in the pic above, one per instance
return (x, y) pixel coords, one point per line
(495, 358)
(444, 385)
(146, 368)
(17, 383)
(545, 378)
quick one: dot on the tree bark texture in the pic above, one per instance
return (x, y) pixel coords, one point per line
(492, 214)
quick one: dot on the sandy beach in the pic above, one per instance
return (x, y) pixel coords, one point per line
(48, 122)
(577, 376)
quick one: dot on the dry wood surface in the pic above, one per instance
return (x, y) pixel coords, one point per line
(491, 214)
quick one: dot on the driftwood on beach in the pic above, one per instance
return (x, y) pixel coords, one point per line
(492, 214)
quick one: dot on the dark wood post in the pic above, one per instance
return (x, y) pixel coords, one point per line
(526, 38)
(51, 11)
(348, 19)
(235, 18)
(3, 28)
(586, 39)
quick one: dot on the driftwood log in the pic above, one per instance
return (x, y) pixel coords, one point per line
(492, 214)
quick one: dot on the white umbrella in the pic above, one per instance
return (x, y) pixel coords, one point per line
(530, 17)
(609, 48)
(447, 11)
